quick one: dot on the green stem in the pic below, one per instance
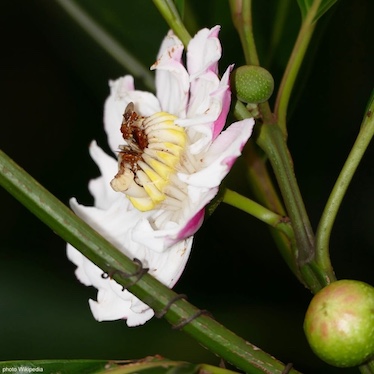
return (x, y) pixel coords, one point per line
(271, 140)
(240, 111)
(326, 223)
(263, 214)
(241, 13)
(72, 229)
(108, 43)
(171, 16)
(293, 66)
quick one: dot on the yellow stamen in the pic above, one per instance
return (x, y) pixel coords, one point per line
(143, 204)
(153, 153)
(150, 187)
(162, 169)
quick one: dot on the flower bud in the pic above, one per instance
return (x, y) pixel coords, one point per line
(252, 84)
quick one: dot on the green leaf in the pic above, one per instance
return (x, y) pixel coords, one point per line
(306, 5)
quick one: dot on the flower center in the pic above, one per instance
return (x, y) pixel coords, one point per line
(150, 158)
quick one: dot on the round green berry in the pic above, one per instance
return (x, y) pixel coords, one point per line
(339, 323)
(252, 84)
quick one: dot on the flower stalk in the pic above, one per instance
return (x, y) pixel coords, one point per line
(241, 13)
(257, 210)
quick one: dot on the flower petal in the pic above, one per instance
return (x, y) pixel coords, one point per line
(172, 80)
(209, 106)
(223, 95)
(112, 303)
(191, 226)
(190, 220)
(204, 51)
(221, 155)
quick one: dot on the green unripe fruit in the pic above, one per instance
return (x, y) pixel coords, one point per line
(252, 84)
(339, 323)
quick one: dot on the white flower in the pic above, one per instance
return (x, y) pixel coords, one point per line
(172, 156)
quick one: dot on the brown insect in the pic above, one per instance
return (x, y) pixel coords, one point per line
(132, 128)
(133, 132)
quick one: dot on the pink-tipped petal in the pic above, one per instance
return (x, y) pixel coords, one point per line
(204, 52)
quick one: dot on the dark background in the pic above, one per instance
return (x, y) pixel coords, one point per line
(54, 80)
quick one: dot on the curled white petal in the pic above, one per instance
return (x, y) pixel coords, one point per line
(204, 51)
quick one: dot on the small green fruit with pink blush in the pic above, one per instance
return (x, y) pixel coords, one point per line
(339, 323)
